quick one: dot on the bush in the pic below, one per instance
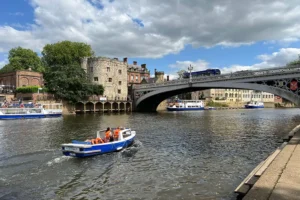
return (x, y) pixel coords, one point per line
(215, 104)
(30, 89)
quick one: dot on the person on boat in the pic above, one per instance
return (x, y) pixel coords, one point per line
(97, 141)
(108, 135)
(116, 134)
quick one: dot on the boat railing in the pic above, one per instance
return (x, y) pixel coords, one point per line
(20, 110)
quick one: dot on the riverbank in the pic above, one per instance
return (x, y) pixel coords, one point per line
(277, 177)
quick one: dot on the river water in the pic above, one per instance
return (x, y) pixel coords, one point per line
(180, 155)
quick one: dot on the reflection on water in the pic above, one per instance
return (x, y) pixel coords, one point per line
(176, 155)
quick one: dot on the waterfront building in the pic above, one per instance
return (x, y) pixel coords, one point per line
(21, 78)
(111, 73)
(136, 74)
(235, 96)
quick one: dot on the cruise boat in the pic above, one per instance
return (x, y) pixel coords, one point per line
(254, 104)
(29, 111)
(182, 105)
(85, 149)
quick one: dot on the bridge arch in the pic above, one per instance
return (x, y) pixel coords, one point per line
(150, 100)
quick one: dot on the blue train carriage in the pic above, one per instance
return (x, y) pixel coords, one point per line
(85, 149)
(208, 72)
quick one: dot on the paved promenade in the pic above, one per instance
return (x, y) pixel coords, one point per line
(281, 180)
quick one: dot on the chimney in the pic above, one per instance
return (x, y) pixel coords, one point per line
(143, 66)
(134, 63)
(168, 78)
(125, 60)
(154, 70)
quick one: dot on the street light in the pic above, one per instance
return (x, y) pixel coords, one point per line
(190, 68)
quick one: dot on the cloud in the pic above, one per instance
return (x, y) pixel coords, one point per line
(154, 28)
(276, 59)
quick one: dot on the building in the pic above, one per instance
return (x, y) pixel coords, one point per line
(21, 78)
(111, 73)
(136, 74)
(236, 96)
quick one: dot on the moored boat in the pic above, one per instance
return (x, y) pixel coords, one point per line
(85, 149)
(254, 104)
(185, 105)
(31, 111)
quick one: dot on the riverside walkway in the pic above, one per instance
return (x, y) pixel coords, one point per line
(280, 180)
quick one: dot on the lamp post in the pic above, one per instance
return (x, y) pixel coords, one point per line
(190, 68)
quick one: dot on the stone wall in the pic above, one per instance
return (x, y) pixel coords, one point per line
(111, 73)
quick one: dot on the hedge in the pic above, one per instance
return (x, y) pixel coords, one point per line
(30, 89)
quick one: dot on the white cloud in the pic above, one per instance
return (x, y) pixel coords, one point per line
(167, 26)
(276, 59)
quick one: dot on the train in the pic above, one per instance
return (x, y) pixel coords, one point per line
(208, 72)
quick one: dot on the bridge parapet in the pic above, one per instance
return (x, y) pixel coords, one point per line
(228, 76)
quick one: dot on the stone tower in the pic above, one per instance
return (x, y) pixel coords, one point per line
(159, 76)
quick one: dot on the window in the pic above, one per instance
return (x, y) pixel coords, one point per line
(120, 71)
(119, 91)
(109, 79)
(120, 82)
(95, 78)
(132, 78)
(91, 69)
(136, 78)
(108, 69)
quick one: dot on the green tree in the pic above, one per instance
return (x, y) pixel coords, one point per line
(65, 53)
(69, 82)
(23, 59)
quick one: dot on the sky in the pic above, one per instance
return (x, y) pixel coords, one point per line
(230, 35)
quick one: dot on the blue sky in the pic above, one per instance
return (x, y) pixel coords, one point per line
(224, 34)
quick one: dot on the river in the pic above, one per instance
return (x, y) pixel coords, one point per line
(180, 155)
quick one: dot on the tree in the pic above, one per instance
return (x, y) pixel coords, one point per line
(65, 53)
(23, 59)
(69, 82)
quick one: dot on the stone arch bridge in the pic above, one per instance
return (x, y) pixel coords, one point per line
(283, 82)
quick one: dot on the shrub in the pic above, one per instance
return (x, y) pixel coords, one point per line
(30, 89)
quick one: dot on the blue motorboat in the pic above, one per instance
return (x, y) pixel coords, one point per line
(85, 149)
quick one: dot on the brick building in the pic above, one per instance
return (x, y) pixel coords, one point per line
(21, 78)
(136, 73)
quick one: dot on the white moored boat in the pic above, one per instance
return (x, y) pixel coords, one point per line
(254, 104)
(29, 111)
(184, 105)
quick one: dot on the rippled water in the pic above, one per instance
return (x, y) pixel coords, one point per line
(181, 155)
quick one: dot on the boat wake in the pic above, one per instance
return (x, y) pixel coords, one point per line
(134, 148)
(58, 160)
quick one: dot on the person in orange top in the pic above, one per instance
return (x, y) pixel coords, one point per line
(108, 135)
(116, 134)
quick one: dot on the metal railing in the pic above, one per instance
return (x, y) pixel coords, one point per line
(228, 76)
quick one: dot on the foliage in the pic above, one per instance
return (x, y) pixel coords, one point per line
(65, 53)
(29, 89)
(23, 59)
(69, 82)
(215, 104)
(295, 63)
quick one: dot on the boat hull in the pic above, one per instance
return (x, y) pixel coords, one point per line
(253, 107)
(28, 116)
(183, 109)
(93, 150)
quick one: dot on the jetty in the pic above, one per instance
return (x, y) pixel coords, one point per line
(278, 176)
